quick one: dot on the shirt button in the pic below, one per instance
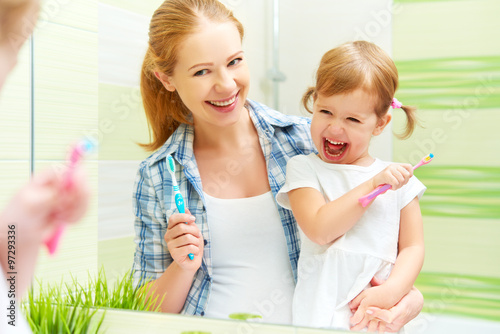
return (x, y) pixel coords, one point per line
(202, 313)
(205, 242)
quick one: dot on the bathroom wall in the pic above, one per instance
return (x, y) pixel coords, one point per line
(448, 56)
(54, 87)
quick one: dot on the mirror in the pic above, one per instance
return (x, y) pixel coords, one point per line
(86, 60)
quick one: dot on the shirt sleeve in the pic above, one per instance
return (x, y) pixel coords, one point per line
(151, 256)
(414, 188)
(300, 173)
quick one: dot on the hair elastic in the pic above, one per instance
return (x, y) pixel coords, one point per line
(395, 104)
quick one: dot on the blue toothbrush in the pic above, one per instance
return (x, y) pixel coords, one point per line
(179, 201)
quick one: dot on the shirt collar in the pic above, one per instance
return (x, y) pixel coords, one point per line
(180, 143)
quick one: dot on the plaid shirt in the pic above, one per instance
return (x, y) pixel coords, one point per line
(281, 137)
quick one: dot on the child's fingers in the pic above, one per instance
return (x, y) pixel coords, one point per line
(372, 325)
(376, 282)
(381, 327)
(361, 324)
(74, 199)
(354, 304)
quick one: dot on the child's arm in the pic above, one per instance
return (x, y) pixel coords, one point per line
(325, 222)
(407, 267)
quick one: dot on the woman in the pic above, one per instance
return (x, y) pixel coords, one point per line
(230, 156)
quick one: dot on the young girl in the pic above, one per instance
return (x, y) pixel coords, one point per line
(345, 245)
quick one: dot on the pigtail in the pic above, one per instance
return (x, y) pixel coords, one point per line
(411, 122)
(310, 92)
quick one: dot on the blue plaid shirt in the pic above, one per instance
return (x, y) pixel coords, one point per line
(281, 137)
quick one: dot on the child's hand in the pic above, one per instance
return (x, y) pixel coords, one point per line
(183, 239)
(390, 318)
(44, 202)
(37, 210)
(396, 175)
(378, 296)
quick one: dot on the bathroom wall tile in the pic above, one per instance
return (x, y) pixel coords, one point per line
(145, 8)
(81, 14)
(122, 123)
(15, 101)
(468, 29)
(65, 89)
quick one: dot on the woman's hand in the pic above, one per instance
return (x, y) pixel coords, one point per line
(391, 320)
(183, 239)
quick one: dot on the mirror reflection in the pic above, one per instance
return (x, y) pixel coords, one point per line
(80, 78)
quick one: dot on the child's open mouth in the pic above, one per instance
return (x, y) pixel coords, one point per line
(334, 149)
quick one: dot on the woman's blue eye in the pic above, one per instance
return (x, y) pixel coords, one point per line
(200, 72)
(235, 61)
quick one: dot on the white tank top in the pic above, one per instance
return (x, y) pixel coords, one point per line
(251, 268)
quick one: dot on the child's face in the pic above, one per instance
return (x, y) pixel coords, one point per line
(342, 126)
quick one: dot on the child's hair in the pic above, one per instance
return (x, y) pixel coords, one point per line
(13, 13)
(170, 25)
(362, 65)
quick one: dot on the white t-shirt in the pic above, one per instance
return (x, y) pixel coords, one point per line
(11, 321)
(330, 276)
(251, 270)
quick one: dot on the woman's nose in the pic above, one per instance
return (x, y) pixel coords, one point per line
(225, 81)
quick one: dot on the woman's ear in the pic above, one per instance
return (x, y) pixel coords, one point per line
(381, 124)
(166, 81)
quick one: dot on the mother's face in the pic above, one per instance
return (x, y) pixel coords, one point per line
(211, 75)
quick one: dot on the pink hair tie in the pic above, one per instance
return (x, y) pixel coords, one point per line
(395, 104)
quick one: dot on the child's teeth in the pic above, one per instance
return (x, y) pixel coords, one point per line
(334, 142)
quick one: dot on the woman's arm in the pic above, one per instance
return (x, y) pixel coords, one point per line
(173, 286)
(325, 222)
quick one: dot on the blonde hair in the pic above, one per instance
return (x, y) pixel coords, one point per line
(362, 65)
(12, 16)
(170, 25)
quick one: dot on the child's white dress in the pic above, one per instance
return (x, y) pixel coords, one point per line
(330, 276)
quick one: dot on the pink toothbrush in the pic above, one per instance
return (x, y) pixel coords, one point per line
(365, 200)
(77, 153)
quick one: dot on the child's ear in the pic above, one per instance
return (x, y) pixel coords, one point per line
(166, 81)
(381, 124)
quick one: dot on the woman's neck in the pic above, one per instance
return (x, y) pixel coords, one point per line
(237, 135)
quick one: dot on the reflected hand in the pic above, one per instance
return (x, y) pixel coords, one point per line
(183, 239)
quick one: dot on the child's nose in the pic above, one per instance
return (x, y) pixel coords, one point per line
(335, 127)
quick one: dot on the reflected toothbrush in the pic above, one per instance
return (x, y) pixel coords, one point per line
(179, 200)
(365, 200)
(77, 153)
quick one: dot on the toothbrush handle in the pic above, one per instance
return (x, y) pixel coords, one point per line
(179, 203)
(53, 241)
(365, 200)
